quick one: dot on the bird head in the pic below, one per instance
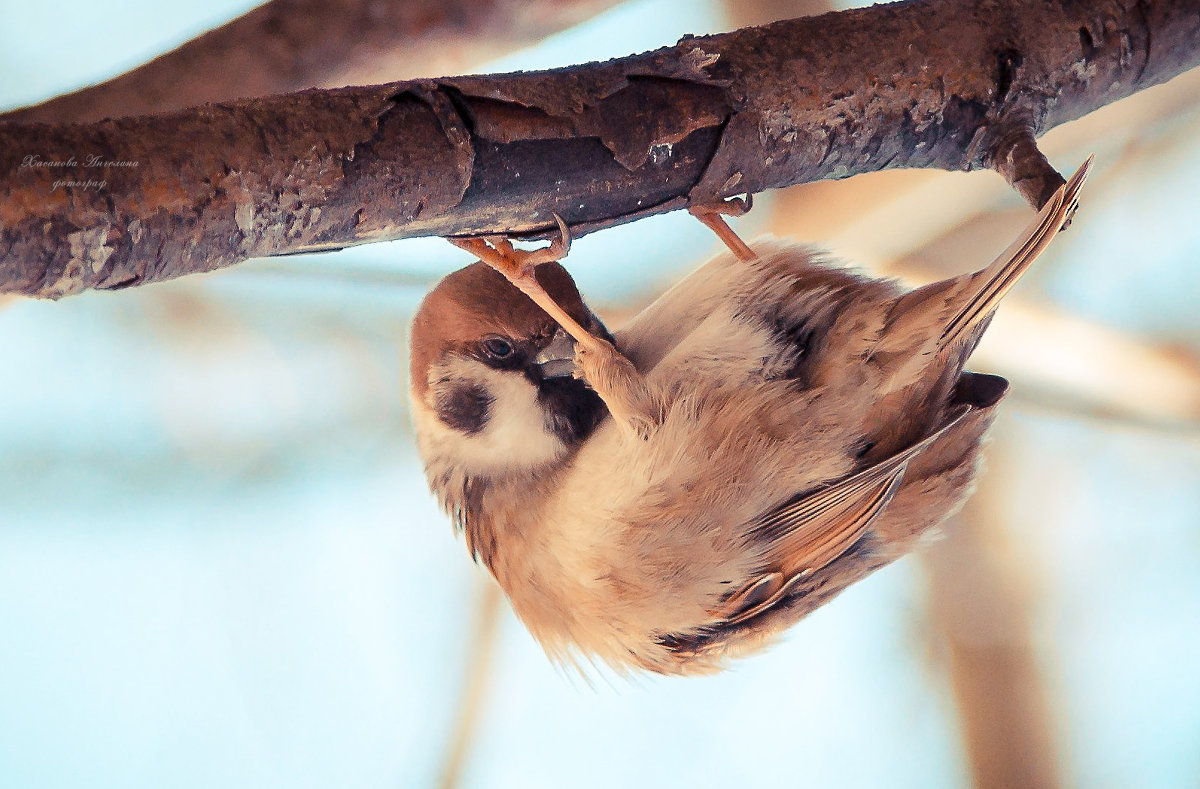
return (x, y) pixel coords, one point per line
(491, 381)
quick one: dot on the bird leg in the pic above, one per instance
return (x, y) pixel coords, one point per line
(710, 215)
(631, 401)
(619, 384)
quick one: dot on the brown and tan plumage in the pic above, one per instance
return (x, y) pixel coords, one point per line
(770, 430)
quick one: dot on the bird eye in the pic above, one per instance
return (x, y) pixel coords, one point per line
(498, 347)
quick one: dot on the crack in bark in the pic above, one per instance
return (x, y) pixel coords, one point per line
(1147, 29)
(1007, 63)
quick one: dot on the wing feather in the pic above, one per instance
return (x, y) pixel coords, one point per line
(811, 531)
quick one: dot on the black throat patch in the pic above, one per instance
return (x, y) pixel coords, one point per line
(572, 409)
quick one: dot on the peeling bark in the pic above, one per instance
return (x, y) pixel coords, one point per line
(927, 83)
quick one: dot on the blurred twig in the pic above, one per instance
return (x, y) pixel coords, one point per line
(1092, 368)
(288, 45)
(744, 13)
(979, 601)
(484, 630)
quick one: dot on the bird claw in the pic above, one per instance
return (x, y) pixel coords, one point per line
(710, 215)
(730, 206)
(516, 265)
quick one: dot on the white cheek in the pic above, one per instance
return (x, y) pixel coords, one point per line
(517, 426)
(514, 436)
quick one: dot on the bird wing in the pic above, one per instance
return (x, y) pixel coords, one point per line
(813, 529)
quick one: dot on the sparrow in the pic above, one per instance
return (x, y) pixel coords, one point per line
(770, 430)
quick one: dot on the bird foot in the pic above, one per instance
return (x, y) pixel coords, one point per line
(517, 266)
(711, 214)
(598, 362)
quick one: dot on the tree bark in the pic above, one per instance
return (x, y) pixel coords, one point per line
(289, 45)
(926, 83)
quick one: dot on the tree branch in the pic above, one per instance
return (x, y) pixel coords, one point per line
(289, 45)
(925, 83)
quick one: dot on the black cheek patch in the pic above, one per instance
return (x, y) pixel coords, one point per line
(465, 408)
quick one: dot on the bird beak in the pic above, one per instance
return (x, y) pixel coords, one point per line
(557, 360)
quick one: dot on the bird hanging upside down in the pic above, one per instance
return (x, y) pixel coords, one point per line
(769, 431)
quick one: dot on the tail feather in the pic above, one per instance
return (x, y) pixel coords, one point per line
(987, 287)
(947, 314)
